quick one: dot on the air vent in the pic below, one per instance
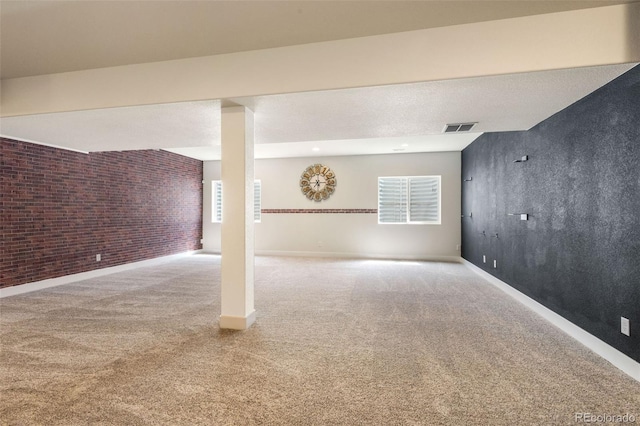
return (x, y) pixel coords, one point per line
(458, 127)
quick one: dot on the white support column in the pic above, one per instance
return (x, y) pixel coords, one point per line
(237, 228)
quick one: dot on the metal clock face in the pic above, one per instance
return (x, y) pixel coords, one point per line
(318, 182)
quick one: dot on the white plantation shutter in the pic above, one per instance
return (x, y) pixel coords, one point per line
(217, 201)
(424, 195)
(405, 199)
(392, 200)
(257, 188)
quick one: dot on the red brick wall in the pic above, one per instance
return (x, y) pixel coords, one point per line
(60, 208)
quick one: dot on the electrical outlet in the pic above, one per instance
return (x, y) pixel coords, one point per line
(495, 264)
(457, 247)
(201, 240)
(624, 326)
(98, 257)
(484, 259)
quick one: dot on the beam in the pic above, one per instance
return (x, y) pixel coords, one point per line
(587, 37)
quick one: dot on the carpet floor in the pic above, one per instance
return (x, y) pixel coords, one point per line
(336, 342)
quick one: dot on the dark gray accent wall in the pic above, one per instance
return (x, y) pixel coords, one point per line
(579, 252)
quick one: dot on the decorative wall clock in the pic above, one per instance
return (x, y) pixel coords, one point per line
(318, 182)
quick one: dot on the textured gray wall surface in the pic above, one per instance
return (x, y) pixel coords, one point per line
(579, 252)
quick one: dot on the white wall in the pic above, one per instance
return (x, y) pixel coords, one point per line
(342, 234)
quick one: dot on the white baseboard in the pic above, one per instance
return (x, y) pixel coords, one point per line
(212, 252)
(53, 282)
(606, 351)
(338, 255)
(231, 322)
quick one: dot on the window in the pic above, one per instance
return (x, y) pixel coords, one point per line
(409, 199)
(217, 201)
(216, 187)
(257, 191)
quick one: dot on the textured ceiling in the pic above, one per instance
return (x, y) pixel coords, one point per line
(52, 36)
(498, 103)
(371, 120)
(119, 129)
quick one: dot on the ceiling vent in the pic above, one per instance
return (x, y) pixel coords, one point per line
(459, 127)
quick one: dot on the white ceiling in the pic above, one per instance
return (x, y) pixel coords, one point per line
(120, 129)
(371, 120)
(42, 37)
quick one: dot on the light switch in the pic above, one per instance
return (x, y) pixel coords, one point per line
(624, 326)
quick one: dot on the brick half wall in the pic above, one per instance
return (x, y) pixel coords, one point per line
(61, 208)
